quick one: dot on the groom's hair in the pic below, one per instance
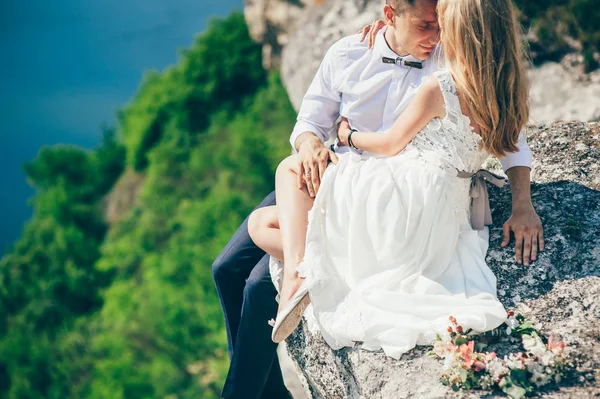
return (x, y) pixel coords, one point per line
(400, 5)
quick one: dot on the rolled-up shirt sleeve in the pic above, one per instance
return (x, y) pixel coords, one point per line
(523, 157)
(320, 106)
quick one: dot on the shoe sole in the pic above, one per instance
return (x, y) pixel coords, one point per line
(291, 321)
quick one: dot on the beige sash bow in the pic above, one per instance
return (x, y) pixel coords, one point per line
(481, 214)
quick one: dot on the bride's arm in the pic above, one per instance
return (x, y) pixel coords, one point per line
(427, 104)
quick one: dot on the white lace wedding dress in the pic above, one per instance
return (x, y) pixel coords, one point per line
(390, 252)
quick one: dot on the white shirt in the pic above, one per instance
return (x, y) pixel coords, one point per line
(353, 81)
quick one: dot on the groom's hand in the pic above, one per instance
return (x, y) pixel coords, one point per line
(524, 221)
(371, 30)
(314, 158)
(528, 231)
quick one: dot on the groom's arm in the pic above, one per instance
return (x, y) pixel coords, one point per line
(524, 221)
(318, 113)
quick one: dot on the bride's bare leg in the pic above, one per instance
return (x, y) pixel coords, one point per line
(263, 227)
(292, 211)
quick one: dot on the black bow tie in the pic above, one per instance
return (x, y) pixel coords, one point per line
(400, 62)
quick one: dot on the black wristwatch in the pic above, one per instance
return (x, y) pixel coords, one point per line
(350, 143)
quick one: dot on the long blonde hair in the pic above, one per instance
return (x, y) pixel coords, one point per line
(483, 51)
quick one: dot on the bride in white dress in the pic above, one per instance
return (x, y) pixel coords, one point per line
(390, 251)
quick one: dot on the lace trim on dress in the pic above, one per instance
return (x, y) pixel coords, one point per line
(450, 143)
(462, 123)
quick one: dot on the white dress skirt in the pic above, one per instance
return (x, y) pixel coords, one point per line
(390, 251)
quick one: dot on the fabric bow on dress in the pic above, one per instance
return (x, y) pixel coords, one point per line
(481, 215)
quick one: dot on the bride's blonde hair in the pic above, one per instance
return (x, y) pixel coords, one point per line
(482, 45)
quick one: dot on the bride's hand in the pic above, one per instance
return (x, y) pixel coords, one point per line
(372, 30)
(343, 130)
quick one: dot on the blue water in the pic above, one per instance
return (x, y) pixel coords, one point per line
(65, 68)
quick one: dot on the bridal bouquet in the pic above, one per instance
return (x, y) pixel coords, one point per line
(517, 374)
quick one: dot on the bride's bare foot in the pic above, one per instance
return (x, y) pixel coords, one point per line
(288, 289)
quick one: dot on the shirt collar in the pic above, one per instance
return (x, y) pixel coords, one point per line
(382, 48)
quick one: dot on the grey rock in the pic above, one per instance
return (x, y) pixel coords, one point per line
(560, 292)
(321, 27)
(566, 151)
(271, 22)
(559, 92)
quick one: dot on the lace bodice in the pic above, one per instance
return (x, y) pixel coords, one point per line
(449, 143)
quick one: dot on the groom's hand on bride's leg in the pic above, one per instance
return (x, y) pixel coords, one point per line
(313, 158)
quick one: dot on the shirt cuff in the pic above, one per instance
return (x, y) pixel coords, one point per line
(509, 165)
(523, 157)
(302, 127)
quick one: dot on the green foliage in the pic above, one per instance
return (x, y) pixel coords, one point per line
(553, 21)
(48, 279)
(131, 311)
(219, 73)
(161, 316)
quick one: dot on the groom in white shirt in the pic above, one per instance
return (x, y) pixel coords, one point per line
(371, 88)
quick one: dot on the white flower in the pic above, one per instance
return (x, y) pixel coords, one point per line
(534, 367)
(528, 341)
(557, 350)
(512, 322)
(533, 344)
(486, 382)
(444, 347)
(448, 361)
(547, 358)
(540, 379)
(513, 362)
(496, 368)
(508, 330)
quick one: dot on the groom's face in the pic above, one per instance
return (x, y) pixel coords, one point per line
(414, 26)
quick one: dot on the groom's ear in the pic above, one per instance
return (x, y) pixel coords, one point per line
(389, 14)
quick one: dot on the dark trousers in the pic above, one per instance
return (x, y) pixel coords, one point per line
(247, 296)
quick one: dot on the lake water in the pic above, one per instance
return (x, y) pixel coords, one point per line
(65, 68)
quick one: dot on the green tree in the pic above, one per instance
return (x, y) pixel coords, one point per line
(48, 279)
(130, 310)
(218, 73)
